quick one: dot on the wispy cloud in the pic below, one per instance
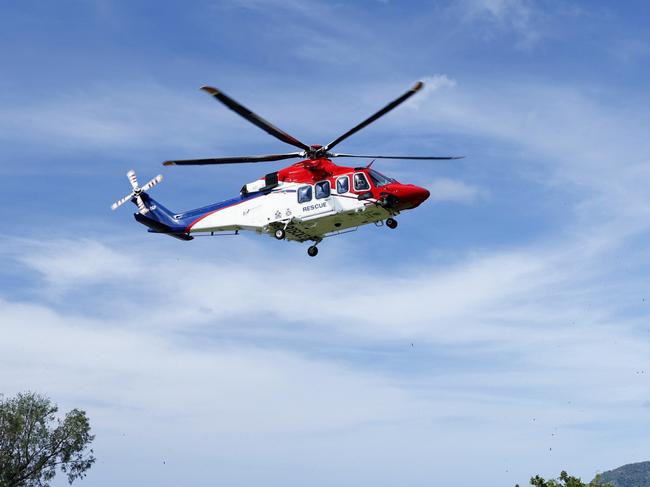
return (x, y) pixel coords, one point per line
(506, 329)
(577, 143)
(522, 17)
(90, 263)
(445, 189)
(124, 117)
(318, 34)
(83, 350)
(487, 292)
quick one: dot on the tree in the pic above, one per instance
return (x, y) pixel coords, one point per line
(34, 442)
(565, 480)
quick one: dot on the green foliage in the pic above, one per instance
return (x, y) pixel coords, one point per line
(565, 480)
(34, 442)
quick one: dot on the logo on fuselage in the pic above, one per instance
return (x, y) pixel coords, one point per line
(314, 207)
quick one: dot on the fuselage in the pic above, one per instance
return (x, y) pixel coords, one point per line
(306, 201)
(317, 197)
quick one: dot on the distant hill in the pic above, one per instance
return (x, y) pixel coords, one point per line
(631, 475)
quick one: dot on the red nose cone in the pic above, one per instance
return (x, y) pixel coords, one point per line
(424, 194)
(406, 195)
(415, 195)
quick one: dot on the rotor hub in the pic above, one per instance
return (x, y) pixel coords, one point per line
(317, 151)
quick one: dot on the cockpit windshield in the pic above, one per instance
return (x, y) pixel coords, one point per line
(379, 179)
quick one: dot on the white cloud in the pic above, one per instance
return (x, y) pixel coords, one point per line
(316, 395)
(129, 116)
(445, 189)
(438, 81)
(65, 263)
(327, 32)
(595, 151)
(434, 83)
(146, 394)
(233, 358)
(483, 291)
(187, 289)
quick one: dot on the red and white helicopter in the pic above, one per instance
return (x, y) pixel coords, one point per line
(307, 201)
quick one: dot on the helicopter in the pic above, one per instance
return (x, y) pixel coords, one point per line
(305, 202)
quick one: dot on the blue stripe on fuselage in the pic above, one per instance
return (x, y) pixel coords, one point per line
(179, 222)
(186, 218)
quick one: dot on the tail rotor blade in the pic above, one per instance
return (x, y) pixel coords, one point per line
(132, 178)
(143, 209)
(119, 203)
(152, 183)
(135, 195)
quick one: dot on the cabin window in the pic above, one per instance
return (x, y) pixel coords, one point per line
(342, 185)
(322, 189)
(361, 182)
(304, 194)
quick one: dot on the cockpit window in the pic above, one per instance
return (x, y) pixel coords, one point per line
(360, 182)
(342, 185)
(379, 179)
(322, 189)
(304, 194)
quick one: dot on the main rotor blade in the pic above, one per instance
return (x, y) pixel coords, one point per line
(254, 118)
(417, 87)
(418, 158)
(233, 160)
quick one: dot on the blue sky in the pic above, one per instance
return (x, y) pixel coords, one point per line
(501, 331)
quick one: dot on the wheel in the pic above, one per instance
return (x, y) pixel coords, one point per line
(280, 234)
(312, 251)
(391, 223)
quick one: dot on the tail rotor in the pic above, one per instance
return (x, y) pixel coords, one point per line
(136, 194)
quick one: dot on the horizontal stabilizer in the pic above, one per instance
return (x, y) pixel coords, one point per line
(157, 227)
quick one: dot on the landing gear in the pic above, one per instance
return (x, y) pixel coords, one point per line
(312, 251)
(280, 234)
(391, 223)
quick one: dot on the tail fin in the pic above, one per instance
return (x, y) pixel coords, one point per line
(151, 213)
(161, 220)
